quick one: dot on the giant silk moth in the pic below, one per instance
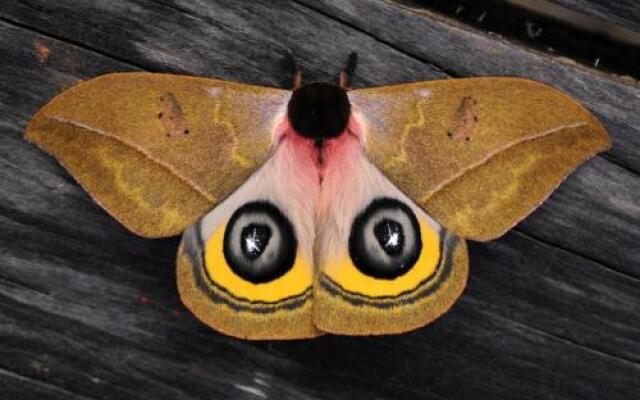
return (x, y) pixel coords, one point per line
(321, 209)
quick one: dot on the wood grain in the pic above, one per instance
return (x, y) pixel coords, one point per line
(90, 311)
(622, 12)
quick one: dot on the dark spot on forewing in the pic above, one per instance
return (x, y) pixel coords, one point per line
(465, 121)
(172, 117)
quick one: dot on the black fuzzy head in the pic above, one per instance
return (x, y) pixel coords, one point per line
(319, 110)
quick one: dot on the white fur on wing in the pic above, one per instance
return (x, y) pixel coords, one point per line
(289, 181)
(350, 183)
(320, 199)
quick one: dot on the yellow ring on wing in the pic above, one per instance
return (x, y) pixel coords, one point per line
(295, 282)
(346, 275)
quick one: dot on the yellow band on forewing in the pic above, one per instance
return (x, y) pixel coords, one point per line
(295, 282)
(345, 274)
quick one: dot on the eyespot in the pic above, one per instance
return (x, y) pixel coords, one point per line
(259, 242)
(385, 240)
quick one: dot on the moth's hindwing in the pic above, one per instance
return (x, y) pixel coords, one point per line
(246, 268)
(390, 268)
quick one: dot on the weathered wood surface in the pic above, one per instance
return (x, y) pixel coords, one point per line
(90, 311)
(622, 12)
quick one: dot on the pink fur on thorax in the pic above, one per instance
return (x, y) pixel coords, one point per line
(324, 172)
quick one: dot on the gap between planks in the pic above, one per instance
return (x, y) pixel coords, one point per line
(565, 340)
(601, 264)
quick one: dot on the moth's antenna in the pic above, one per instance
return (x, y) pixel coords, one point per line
(346, 75)
(290, 64)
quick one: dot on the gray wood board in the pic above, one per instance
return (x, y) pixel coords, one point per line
(625, 13)
(89, 310)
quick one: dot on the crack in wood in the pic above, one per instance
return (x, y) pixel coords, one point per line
(21, 285)
(566, 340)
(599, 263)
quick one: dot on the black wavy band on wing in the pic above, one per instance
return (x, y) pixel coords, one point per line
(424, 289)
(193, 246)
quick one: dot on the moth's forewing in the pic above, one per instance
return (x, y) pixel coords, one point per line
(479, 154)
(159, 150)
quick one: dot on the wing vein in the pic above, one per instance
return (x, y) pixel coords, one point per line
(488, 157)
(101, 132)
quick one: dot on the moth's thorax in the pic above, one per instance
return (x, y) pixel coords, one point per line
(321, 170)
(326, 154)
(319, 110)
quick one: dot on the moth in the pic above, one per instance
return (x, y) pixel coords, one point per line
(321, 209)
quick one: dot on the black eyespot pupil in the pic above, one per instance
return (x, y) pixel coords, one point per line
(390, 236)
(259, 242)
(254, 239)
(385, 240)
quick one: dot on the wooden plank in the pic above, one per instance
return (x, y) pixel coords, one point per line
(244, 42)
(595, 212)
(90, 309)
(111, 343)
(622, 12)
